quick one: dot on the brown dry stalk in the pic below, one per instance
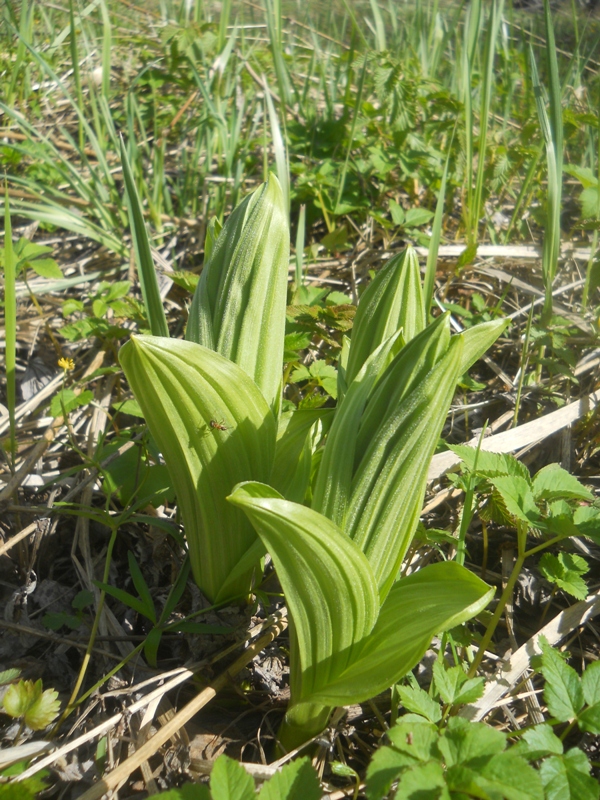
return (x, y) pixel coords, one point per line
(147, 750)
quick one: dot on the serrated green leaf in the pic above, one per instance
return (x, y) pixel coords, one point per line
(589, 199)
(465, 742)
(565, 570)
(28, 700)
(385, 767)
(518, 498)
(8, 675)
(417, 700)
(423, 781)
(230, 781)
(589, 719)
(489, 464)
(509, 776)
(296, 781)
(568, 777)
(454, 686)
(392, 301)
(584, 175)
(66, 401)
(239, 305)
(446, 595)
(587, 520)
(28, 789)
(416, 739)
(590, 683)
(186, 392)
(555, 483)
(563, 692)
(538, 742)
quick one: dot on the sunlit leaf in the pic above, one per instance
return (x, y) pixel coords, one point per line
(214, 429)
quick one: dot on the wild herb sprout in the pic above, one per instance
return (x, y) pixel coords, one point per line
(338, 560)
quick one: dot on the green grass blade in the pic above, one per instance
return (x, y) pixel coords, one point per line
(300, 239)
(494, 20)
(357, 105)
(10, 324)
(436, 235)
(380, 37)
(145, 263)
(551, 245)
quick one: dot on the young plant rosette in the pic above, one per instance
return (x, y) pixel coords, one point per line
(336, 512)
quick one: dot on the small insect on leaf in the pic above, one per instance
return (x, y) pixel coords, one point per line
(218, 426)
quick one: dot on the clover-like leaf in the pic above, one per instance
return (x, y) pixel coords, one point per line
(29, 701)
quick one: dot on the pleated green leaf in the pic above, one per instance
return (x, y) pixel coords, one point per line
(409, 368)
(393, 300)
(214, 429)
(327, 581)
(478, 339)
(334, 480)
(389, 484)
(293, 452)
(239, 305)
(417, 608)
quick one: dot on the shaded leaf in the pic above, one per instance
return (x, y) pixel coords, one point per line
(563, 692)
(297, 780)
(230, 781)
(28, 700)
(555, 483)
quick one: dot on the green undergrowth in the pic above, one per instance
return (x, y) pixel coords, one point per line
(271, 413)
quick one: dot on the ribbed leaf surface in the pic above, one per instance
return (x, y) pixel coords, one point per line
(478, 339)
(389, 483)
(327, 581)
(393, 300)
(334, 481)
(432, 600)
(239, 305)
(293, 452)
(214, 430)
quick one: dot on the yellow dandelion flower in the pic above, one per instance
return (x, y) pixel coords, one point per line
(67, 364)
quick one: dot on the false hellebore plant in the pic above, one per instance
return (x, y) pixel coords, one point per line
(337, 518)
